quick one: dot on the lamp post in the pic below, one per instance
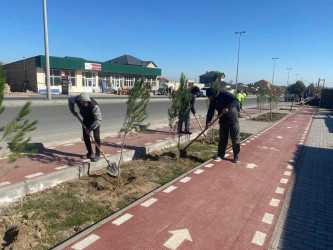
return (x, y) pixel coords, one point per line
(274, 58)
(288, 76)
(24, 70)
(47, 59)
(296, 76)
(240, 34)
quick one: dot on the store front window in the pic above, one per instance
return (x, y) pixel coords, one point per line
(116, 81)
(88, 81)
(129, 81)
(71, 77)
(55, 77)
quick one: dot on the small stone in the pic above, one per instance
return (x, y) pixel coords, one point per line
(29, 215)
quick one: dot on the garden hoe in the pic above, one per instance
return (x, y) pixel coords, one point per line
(246, 113)
(199, 124)
(183, 151)
(111, 167)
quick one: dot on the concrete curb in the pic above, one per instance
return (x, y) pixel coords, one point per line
(12, 192)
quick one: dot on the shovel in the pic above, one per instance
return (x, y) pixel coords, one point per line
(183, 151)
(246, 113)
(111, 167)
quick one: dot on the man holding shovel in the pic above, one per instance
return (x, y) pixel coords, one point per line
(92, 118)
(226, 104)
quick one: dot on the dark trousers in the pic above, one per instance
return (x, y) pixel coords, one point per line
(88, 142)
(229, 126)
(187, 125)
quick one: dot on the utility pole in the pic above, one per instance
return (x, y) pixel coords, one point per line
(274, 58)
(288, 76)
(47, 59)
(240, 34)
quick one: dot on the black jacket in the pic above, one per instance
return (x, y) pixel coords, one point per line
(224, 99)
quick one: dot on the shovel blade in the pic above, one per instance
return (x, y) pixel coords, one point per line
(112, 169)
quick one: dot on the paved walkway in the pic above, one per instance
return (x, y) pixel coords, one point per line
(218, 205)
(308, 219)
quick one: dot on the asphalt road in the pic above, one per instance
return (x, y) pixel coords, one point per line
(57, 125)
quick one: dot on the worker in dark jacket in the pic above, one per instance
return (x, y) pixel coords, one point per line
(225, 103)
(194, 92)
(92, 119)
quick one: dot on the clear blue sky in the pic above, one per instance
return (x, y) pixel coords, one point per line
(181, 35)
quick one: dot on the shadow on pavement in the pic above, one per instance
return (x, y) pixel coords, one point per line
(309, 218)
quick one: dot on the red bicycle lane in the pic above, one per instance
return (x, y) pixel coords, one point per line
(219, 205)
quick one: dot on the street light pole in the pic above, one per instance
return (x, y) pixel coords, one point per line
(288, 76)
(274, 58)
(47, 59)
(240, 34)
(296, 76)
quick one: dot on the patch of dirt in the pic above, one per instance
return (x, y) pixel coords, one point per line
(19, 232)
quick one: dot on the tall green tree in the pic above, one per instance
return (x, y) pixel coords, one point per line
(136, 113)
(12, 141)
(296, 90)
(311, 90)
(180, 108)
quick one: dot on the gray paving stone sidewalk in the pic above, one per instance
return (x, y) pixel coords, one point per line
(309, 218)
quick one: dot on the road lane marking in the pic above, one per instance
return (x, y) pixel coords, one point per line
(243, 144)
(209, 165)
(251, 165)
(279, 190)
(177, 238)
(268, 218)
(62, 167)
(159, 140)
(34, 175)
(4, 183)
(122, 219)
(199, 171)
(51, 148)
(186, 179)
(168, 138)
(274, 202)
(288, 173)
(69, 144)
(149, 202)
(226, 155)
(279, 137)
(169, 189)
(86, 242)
(148, 143)
(259, 238)
(290, 167)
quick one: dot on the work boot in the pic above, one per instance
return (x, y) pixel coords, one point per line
(236, 159)
(188, 132)
(87, 156)
(96, 159)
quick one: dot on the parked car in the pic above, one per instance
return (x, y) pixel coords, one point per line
(203, 92)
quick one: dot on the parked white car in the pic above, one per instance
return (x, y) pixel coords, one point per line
(203, 92)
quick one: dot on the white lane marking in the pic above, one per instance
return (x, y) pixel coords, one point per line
(86, 242)
(149, 202)
(34, 175)
(252, 139)
(122, 219)
(169, 189)
(177, 238)
(168, 138)
(62, 167)
(292, 161)
(148, 143)
(284, 181)
(186, 179)
(209, 165)
(290, 167)
(51, 148)
(243, 144)
(279, 137)
(248, 141)
(69, 144)
(268, 218)
(279, 190)
(274, 202)
(87, 160)
(226, 155)
(4, 183)
(199, 171)
(251, 165)
(259, 238)
(288, 127)
(159, 140)
(218, 160)
(288, 173)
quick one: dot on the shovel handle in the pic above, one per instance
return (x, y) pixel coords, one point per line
(93, 139)
(203, 131)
